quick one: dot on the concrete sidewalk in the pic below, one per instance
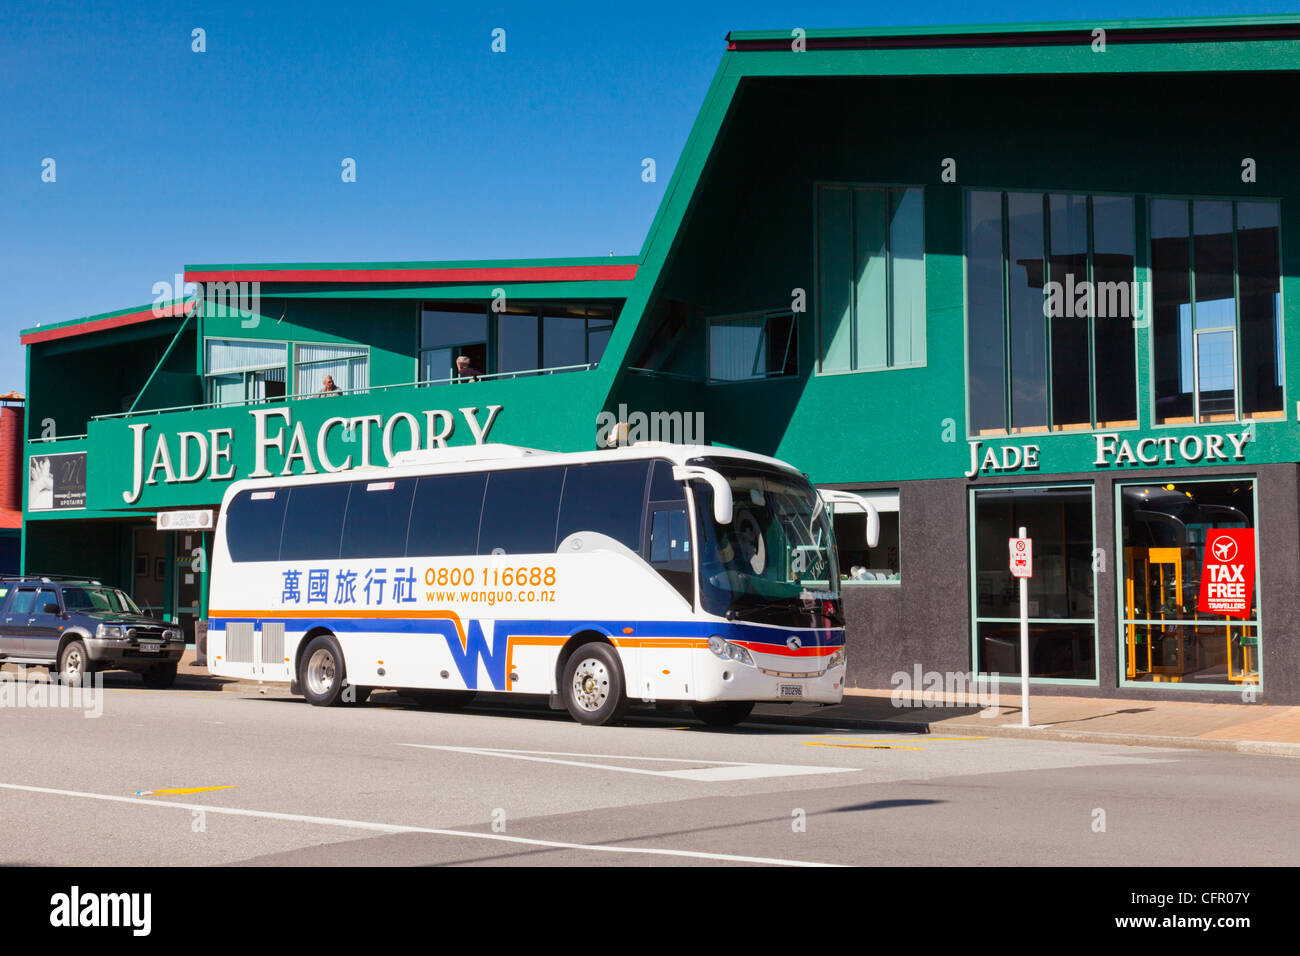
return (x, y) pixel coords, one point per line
(1249, 728)
(1253, 728)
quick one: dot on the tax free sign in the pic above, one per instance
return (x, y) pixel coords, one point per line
(1228, 577)
(269, 442)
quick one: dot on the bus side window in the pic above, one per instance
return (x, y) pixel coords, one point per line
(445, 516)
(520, 511)
(607, 497)
(379, 513)
(253, 523)
(313, 522)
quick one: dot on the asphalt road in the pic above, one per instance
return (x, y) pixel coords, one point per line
(390, 784)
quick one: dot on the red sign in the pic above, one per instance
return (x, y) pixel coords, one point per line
(1228, 577)
(1022, 557)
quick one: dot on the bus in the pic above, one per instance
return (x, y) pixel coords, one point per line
(653, 572)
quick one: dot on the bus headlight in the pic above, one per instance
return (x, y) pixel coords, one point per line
(108, 632)
(729, 651)
(837, 659)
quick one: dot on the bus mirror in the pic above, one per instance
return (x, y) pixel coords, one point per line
(861, 504)
(722, 505)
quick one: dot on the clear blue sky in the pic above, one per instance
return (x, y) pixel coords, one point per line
(166, 157)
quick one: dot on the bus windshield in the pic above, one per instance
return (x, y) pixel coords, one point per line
(775, 562)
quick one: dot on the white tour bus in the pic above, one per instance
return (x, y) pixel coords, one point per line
(655, 572)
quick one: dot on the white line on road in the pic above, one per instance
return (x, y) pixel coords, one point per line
(715, 771)
(399, 828)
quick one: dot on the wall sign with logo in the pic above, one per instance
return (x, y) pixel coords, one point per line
(1228, 577)
(56, 482)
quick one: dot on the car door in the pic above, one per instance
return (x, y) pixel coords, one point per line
(13, 624)
(43, 628)
(8, 639)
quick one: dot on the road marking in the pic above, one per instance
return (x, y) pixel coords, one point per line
(818, 743)
(905, 740)
(177, 791)
(713, 772)
(399, 828)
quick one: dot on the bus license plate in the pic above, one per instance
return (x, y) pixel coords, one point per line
(792, 690)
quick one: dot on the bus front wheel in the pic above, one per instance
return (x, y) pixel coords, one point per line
(592, 685)
(321, 674)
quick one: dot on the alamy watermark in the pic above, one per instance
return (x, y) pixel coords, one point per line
(1085, 298)
(241, 300)
(628, 428)
(946, 689)
(18, 690)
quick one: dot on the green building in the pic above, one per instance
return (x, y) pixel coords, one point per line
(1038, 275)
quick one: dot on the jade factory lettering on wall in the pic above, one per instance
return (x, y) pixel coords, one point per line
(1114, 451)
(190, 456)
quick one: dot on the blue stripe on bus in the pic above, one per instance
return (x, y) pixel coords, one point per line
(476, 647)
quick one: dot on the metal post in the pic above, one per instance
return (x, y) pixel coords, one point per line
(1024, 648)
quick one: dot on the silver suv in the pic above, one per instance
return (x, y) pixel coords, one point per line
(79, 626)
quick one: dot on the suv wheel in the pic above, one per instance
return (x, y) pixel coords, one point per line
(75, 664)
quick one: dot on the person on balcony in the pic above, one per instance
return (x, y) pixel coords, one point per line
(328, 387)
(464, 371)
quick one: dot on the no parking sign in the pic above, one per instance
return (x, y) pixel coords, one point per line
(1022, 557)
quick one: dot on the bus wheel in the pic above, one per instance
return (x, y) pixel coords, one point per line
(321, 676)
(439, 699)
(592, 684)
(723, 713)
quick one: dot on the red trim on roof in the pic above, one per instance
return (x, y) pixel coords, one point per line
(103, 325)
(614, 273)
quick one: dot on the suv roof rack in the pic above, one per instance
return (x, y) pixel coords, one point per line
(51, 578)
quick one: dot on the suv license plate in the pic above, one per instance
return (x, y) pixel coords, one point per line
(791, 690)
(150, 648)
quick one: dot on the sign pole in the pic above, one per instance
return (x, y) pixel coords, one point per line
(1024, 648)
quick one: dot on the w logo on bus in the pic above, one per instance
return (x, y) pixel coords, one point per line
(472, 645)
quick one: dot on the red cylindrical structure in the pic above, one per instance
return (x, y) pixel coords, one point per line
(11, 457)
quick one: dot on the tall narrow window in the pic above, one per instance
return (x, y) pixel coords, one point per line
(1216, 290)
(1050, 307)
(870, 277)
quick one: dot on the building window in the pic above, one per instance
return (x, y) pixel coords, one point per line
(345, 366)
(1217, 308)
(1062, 608)
(1050, 304)
(245, 371)
(520, 340)
(1165, 528)
(860, 564)
(870, 277)
(446, 334)
(753, 347)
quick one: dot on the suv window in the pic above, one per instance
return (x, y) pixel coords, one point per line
(24, 601)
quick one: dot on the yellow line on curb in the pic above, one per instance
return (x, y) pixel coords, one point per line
(818, 743)
(888, 740)
(177, 791)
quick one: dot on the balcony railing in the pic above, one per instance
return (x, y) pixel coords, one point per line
(364, 390)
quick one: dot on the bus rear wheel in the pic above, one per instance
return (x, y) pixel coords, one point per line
(592, 685)
(321, 673)
(725, 713)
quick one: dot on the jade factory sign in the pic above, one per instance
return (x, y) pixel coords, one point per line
(178, 460)
(1111, 450)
